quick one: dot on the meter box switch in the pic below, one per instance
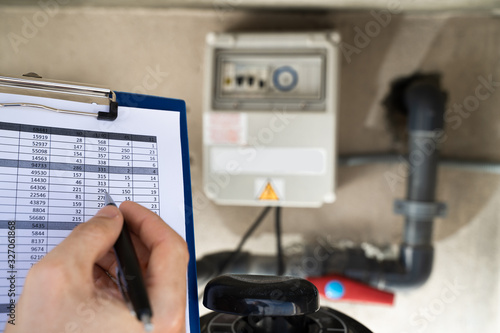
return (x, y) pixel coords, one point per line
(269, 118)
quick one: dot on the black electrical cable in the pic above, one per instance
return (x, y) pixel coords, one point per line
(279, 248)
(243, 240)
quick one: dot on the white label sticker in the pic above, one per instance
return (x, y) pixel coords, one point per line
(269, 160)
(225, 128)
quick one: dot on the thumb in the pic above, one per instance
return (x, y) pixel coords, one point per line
(89, 241)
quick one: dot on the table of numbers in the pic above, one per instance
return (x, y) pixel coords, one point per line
(52, 179)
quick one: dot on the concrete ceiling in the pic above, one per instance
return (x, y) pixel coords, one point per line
(403, 5)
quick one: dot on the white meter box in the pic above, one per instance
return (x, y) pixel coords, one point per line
(270, 103)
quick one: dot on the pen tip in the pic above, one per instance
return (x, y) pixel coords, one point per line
(146, 321)
(107, 199)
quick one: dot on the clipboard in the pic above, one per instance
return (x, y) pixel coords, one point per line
(112, 104)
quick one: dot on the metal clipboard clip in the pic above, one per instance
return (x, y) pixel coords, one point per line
(32, 84)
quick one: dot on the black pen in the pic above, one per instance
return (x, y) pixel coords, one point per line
(129, 275)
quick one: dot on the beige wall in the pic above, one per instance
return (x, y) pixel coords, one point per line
(120, 48)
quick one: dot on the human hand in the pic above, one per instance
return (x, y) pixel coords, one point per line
(70, 289)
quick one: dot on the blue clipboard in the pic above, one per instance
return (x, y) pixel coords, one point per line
(32, 84)
(176, 105)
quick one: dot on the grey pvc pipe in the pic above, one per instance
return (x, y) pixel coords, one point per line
(426, 104)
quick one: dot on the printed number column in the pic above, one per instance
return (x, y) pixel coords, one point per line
(9, 148)
(33, 194)
(66, 183)
(96, 171)
(146, 178)
(120, 167)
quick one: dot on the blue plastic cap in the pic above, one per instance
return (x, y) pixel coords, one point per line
(334, 289)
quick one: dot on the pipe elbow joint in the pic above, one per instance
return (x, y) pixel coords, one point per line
(416, 268)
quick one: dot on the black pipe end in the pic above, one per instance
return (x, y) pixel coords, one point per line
(426, 103)
(420, 92)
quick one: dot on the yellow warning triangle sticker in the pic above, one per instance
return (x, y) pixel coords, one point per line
(268, 193)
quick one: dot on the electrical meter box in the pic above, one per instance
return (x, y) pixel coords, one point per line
(269, 118)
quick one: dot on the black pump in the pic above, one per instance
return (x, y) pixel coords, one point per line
(270, 304)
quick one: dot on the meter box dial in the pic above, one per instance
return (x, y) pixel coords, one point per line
(269, 118)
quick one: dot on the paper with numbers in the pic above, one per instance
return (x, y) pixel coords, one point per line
(55, 168)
